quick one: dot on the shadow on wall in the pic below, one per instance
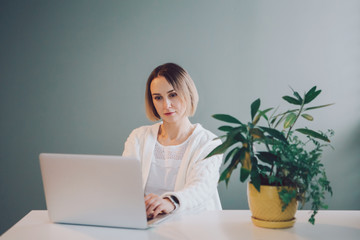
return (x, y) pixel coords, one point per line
(343, 166)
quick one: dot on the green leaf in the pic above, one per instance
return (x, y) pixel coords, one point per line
(244, 174)
(225, 176)
(218, 150)
(292, 100)
(245, 158)
(255, 178)
(264, 168)
(222, 147)
(263, 113)
(311, 94)
(239, 137)
(313, 134)
(275, 180)
(256, 133)
(226, 128)
(255, 107)
(221, 137)
(286, 197)
(273, 120)
(267, 157)
(231, 154)
(256, 119)
(290, 120)
(280, 120)
(316, 107)
(296, 94)
(226, 118)
(307, 117)
(235, 160)
(312, 218)
(283, 115)
(275, 133)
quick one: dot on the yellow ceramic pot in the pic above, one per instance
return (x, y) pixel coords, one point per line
(266, 207)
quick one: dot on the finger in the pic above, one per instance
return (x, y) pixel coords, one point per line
(150, 200)
(151, 207)
(149, 196)
(165, 207)
(152, 203)
(150, 216)
(158, 210)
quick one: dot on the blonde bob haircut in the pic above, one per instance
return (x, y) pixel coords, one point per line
(182, 83)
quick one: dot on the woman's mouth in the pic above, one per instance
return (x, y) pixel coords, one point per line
(169, 113)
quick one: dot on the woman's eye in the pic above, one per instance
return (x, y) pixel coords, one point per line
(172, 95)
(157, 98)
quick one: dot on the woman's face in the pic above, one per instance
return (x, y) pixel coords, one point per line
(167, 102)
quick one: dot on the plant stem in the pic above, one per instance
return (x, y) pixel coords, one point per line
(298, 115)
(272, 165)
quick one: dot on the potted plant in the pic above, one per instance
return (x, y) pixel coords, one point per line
(278, 159)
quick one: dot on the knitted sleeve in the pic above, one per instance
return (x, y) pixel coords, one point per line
(132, 145)
(201, 180)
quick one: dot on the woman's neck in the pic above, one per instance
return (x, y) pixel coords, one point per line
(175, 133)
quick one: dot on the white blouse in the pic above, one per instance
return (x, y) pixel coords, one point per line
(197, 179)
(164, 168)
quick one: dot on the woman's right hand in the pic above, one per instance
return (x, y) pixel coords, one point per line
(156, 205)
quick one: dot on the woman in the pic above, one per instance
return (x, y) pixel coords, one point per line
(172, 151)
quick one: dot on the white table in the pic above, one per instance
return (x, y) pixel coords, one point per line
(227, 224)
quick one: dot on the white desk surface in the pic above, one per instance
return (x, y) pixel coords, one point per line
(227, 224)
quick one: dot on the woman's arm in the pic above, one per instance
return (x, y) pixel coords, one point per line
(132, 146)
(156, 205)
(201, 180)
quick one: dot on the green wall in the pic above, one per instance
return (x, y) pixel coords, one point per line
(72, 77)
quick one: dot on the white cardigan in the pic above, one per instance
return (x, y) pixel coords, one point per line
(197, 179)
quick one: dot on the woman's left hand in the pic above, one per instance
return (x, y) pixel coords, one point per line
(156, 205)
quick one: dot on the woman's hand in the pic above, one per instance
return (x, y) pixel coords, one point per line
(156, 205)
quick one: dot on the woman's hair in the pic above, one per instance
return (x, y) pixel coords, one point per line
(182, 83)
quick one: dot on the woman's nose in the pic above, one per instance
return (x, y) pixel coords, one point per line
(167, 103)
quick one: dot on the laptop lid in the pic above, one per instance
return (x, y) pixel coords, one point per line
(93, 190)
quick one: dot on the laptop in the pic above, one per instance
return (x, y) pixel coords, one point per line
(95, 190)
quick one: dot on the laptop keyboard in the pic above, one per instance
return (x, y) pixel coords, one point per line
(159, 218)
